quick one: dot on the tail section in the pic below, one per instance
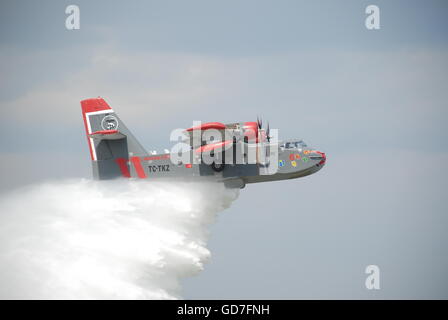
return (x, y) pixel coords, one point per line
(111, 144)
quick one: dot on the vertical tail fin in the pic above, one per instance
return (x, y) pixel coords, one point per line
(110, 142)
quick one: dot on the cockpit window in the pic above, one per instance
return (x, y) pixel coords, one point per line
(294, 145)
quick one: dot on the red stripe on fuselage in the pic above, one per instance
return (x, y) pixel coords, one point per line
(122, 163)
(138, 167)
(162, 157)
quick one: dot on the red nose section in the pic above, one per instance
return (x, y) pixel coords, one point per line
(324, 158)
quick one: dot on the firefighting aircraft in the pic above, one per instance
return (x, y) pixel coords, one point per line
(250, 155)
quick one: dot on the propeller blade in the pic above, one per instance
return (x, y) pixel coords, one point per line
(268, 137)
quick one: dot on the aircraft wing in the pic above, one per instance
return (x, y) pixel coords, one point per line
(217, 147)
(207, 126)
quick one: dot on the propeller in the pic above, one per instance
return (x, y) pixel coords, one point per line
(268, 137)
(260, 126)
(259, 122)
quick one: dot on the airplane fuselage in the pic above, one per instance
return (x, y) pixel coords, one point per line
(291, 163)
(254, 157)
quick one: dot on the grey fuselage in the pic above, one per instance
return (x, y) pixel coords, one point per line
(293, 162)
(115, 152)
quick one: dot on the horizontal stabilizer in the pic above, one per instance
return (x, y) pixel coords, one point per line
(107, 135)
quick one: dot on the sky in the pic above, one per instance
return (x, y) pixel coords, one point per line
(374, 100)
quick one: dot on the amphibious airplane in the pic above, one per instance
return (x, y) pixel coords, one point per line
(236, 154)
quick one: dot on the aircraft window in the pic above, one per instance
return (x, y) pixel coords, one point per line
(294, 145)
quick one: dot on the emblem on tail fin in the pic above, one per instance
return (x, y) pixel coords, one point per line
(109, 123)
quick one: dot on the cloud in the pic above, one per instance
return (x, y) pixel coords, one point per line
(149, 86)
(354, 89)
(337, 99)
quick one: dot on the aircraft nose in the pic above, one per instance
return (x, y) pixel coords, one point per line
(324, 158)
(320, 156)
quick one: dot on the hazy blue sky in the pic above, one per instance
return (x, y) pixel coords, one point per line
(374, 100)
